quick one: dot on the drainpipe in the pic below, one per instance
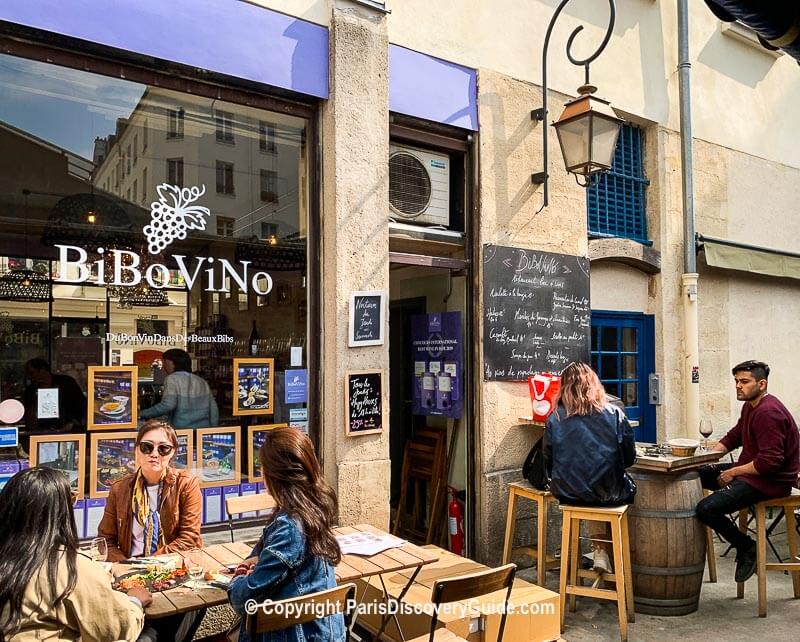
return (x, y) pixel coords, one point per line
(691, 364)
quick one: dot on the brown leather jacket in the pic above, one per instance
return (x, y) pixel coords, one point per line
(180, 513)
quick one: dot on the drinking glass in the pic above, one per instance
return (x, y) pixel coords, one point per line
(194, 566)
(706, 429)
(99, 549)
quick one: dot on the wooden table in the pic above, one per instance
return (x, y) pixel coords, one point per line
(668, 543)
(352, 567)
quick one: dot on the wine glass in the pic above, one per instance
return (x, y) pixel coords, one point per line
(98, 549)
(194, 566)
(706, 429)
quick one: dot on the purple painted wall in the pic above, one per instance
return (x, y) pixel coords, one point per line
(427, 87)
(225, 36)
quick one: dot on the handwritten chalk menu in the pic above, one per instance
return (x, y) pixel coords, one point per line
(536, 315)
(364, 402)
(367, 319)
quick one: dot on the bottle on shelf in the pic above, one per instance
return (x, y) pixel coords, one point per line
(252, 341)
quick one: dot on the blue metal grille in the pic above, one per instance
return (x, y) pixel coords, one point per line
(616, 203)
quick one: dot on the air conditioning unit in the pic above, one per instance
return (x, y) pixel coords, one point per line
(419, 185)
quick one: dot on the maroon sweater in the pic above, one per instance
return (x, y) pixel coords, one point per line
(769, 438)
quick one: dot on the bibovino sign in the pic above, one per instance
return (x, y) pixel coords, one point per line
(170, 217)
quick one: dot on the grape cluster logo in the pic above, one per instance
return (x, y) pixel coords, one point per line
(173, 214)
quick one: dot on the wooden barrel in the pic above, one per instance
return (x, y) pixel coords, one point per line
(668, 544)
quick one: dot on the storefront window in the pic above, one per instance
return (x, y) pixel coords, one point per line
(136, 219)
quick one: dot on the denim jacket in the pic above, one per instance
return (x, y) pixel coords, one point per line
(284, 569)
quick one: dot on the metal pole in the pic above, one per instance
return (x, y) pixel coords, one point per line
(691, 365)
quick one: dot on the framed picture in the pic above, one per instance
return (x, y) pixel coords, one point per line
(253, 386)
(255, 439)
(112, 457)
(113, 397)
(218, 456)
(364, 403)
(184, 456)
(367, 319)
(66, 453)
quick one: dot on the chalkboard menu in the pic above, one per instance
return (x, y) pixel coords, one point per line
(364, 405)
(367, 318)
(536, 314)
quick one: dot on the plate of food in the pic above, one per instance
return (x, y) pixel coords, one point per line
(112, 408)
(154, 579)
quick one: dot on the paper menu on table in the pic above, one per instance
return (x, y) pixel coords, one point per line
(367, 543)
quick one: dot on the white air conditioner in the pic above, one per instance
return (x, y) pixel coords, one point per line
(419, 185)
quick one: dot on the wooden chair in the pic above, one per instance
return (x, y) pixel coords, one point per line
(617, 517)
(247, 504)
(283, 614)
(788, 505)
(544, 562)
(467, 587)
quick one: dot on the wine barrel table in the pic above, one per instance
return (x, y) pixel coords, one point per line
(668, 542)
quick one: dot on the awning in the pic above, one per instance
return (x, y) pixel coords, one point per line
(731, 255)
(777, 24)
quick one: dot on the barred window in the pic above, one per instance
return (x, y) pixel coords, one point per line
(616, 203)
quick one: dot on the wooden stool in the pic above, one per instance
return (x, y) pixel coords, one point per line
(617, 518)
(788, 505)
(711, 553)
(544, 562)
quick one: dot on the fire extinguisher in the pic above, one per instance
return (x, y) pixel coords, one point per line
(455, 513)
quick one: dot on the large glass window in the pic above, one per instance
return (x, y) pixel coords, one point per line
(150, 235)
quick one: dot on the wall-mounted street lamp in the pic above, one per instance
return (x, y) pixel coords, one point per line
(588, 128)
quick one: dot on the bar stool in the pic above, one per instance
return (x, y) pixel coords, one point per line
(544, 562)
(617, 518)
(711, 553)
(788, 504)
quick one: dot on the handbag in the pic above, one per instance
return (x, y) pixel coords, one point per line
(534, 469)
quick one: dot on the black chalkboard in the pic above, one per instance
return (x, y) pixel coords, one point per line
(536, 314)
(364, 401)
(366, 319)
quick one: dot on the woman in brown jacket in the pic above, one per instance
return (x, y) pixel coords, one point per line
(49, 590)
(157, 509)
(153, 511)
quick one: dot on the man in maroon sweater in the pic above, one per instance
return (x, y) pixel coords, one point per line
(768, 465)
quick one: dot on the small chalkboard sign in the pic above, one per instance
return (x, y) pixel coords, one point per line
(367, 319)
(364, 405)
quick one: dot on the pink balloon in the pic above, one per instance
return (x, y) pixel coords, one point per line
(11, 411)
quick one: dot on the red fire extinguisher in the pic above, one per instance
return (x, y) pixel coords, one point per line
(455, 513)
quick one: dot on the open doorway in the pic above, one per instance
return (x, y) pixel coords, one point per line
(429, 370)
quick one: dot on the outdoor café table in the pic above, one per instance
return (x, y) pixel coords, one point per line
(668, 543)
(352, 567)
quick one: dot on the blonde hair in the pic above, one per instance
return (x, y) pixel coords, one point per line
(581, 392)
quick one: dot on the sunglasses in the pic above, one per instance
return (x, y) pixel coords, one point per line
(146, 447)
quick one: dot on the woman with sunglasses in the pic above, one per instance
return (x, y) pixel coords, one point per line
(49, 590)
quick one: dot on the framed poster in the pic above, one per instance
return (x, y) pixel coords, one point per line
(113, 397)
(111, 458)
(218, 456)
(253, 386)
(255, 439)
(365, 410)
(184, 456)
(61, 452)
(367, 319)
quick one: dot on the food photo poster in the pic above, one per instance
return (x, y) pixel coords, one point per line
(112, 458)
(65, 453)
(253, 386)
(218, 456)
(112, 397)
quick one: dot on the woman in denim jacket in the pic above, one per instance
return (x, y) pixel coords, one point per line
(297, 550)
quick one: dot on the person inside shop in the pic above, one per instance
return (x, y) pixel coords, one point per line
(187, 401)
(50, 590)
(153, 511)
(588, 444)
(768, 465)
(297, 550)
(71, 400)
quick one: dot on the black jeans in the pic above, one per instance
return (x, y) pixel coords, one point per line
(713, 510)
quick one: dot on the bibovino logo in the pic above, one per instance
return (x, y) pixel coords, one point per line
(170, 218)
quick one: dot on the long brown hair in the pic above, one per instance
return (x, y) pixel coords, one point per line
(294, 478)
(581, 391)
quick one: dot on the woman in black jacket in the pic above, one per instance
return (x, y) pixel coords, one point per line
(588, 444)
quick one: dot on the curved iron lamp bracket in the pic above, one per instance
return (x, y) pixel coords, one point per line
(540, 178)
